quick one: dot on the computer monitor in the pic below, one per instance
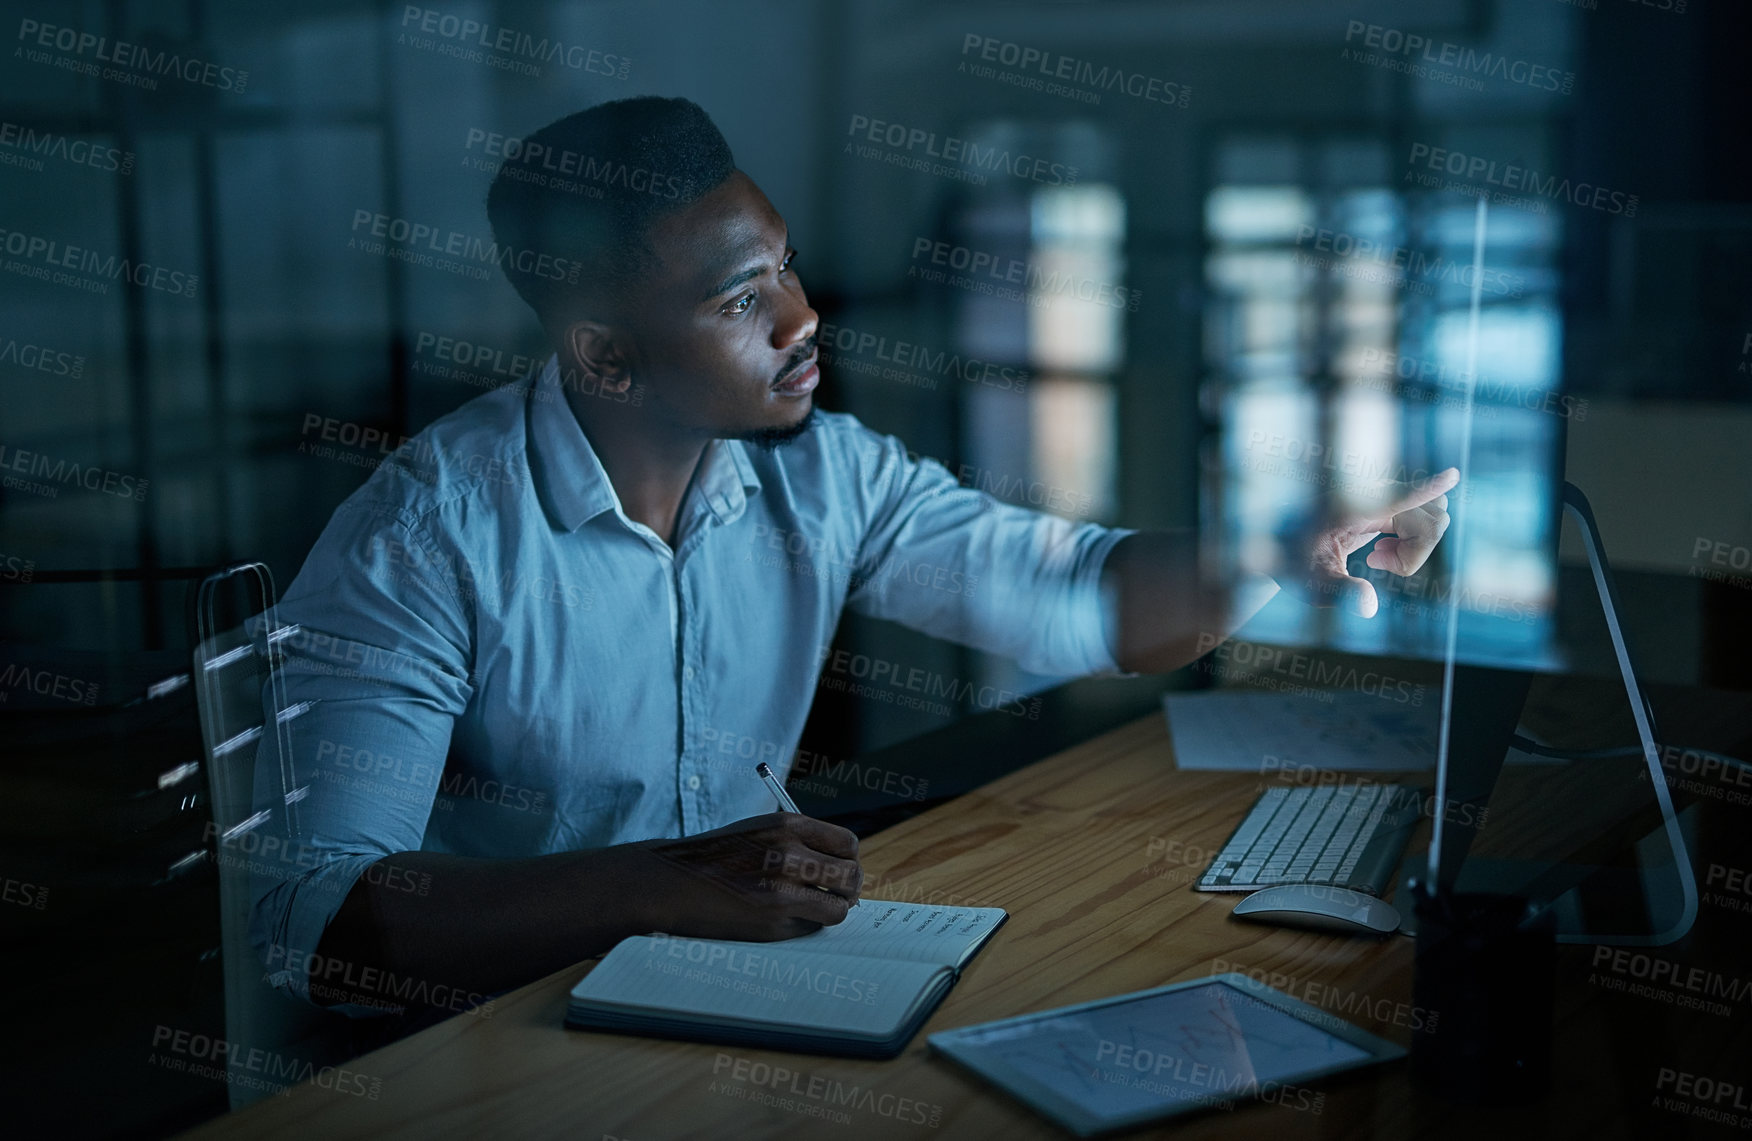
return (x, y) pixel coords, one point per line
(1585, 838)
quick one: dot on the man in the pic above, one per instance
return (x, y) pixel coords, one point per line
(521, 638)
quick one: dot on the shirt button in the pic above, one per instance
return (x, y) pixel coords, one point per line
(693, 783)
(687, 672)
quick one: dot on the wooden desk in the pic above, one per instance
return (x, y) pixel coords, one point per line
(1092, 853)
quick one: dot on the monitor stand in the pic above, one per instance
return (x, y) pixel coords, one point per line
(1588, 903)
(1585, 898)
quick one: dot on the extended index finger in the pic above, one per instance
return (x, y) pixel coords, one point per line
(1422, 492)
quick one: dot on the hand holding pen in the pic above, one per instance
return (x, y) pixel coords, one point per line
(784, 798)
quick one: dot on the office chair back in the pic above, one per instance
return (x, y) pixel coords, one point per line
(238, 682)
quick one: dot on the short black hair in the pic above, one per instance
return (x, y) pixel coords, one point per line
(585, 189)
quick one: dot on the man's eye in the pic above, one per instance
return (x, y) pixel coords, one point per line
(786, 264)
(739, 306)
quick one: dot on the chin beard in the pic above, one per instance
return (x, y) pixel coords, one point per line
(771, 439)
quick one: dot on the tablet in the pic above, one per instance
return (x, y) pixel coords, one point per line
(1120, 1062)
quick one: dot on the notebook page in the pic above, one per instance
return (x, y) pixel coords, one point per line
(717, 980)
(919, 932)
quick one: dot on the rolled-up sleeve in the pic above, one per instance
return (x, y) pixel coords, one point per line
(957, 563)
(377, 665)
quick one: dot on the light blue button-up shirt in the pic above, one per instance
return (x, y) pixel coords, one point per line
(498, 662)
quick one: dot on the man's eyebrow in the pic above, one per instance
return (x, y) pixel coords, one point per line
(733, 281)
(739, 276)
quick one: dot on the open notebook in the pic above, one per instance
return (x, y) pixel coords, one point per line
(861, 988)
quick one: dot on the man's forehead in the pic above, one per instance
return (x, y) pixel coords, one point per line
(720, 233)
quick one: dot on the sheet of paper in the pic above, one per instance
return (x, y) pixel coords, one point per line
(1261, 731)
(921, 932)
(756, 982)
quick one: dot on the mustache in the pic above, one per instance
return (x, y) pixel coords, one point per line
(802, 353)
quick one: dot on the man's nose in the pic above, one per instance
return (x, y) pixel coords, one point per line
(796, 324)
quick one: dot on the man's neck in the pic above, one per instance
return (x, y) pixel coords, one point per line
(650, 470)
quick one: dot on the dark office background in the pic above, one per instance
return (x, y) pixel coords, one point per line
(236, 414)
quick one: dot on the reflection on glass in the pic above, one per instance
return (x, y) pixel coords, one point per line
(1336, 354)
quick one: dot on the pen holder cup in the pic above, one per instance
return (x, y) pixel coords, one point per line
(1485, 976)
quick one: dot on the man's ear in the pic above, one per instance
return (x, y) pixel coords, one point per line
(597, 349)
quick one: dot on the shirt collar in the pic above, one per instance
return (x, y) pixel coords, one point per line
(573, 486)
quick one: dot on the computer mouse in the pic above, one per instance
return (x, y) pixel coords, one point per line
(1319, 908)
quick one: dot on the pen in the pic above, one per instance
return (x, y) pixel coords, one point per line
(772, 782)
(784, 798)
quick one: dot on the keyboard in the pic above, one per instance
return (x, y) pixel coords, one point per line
(1348, 835)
